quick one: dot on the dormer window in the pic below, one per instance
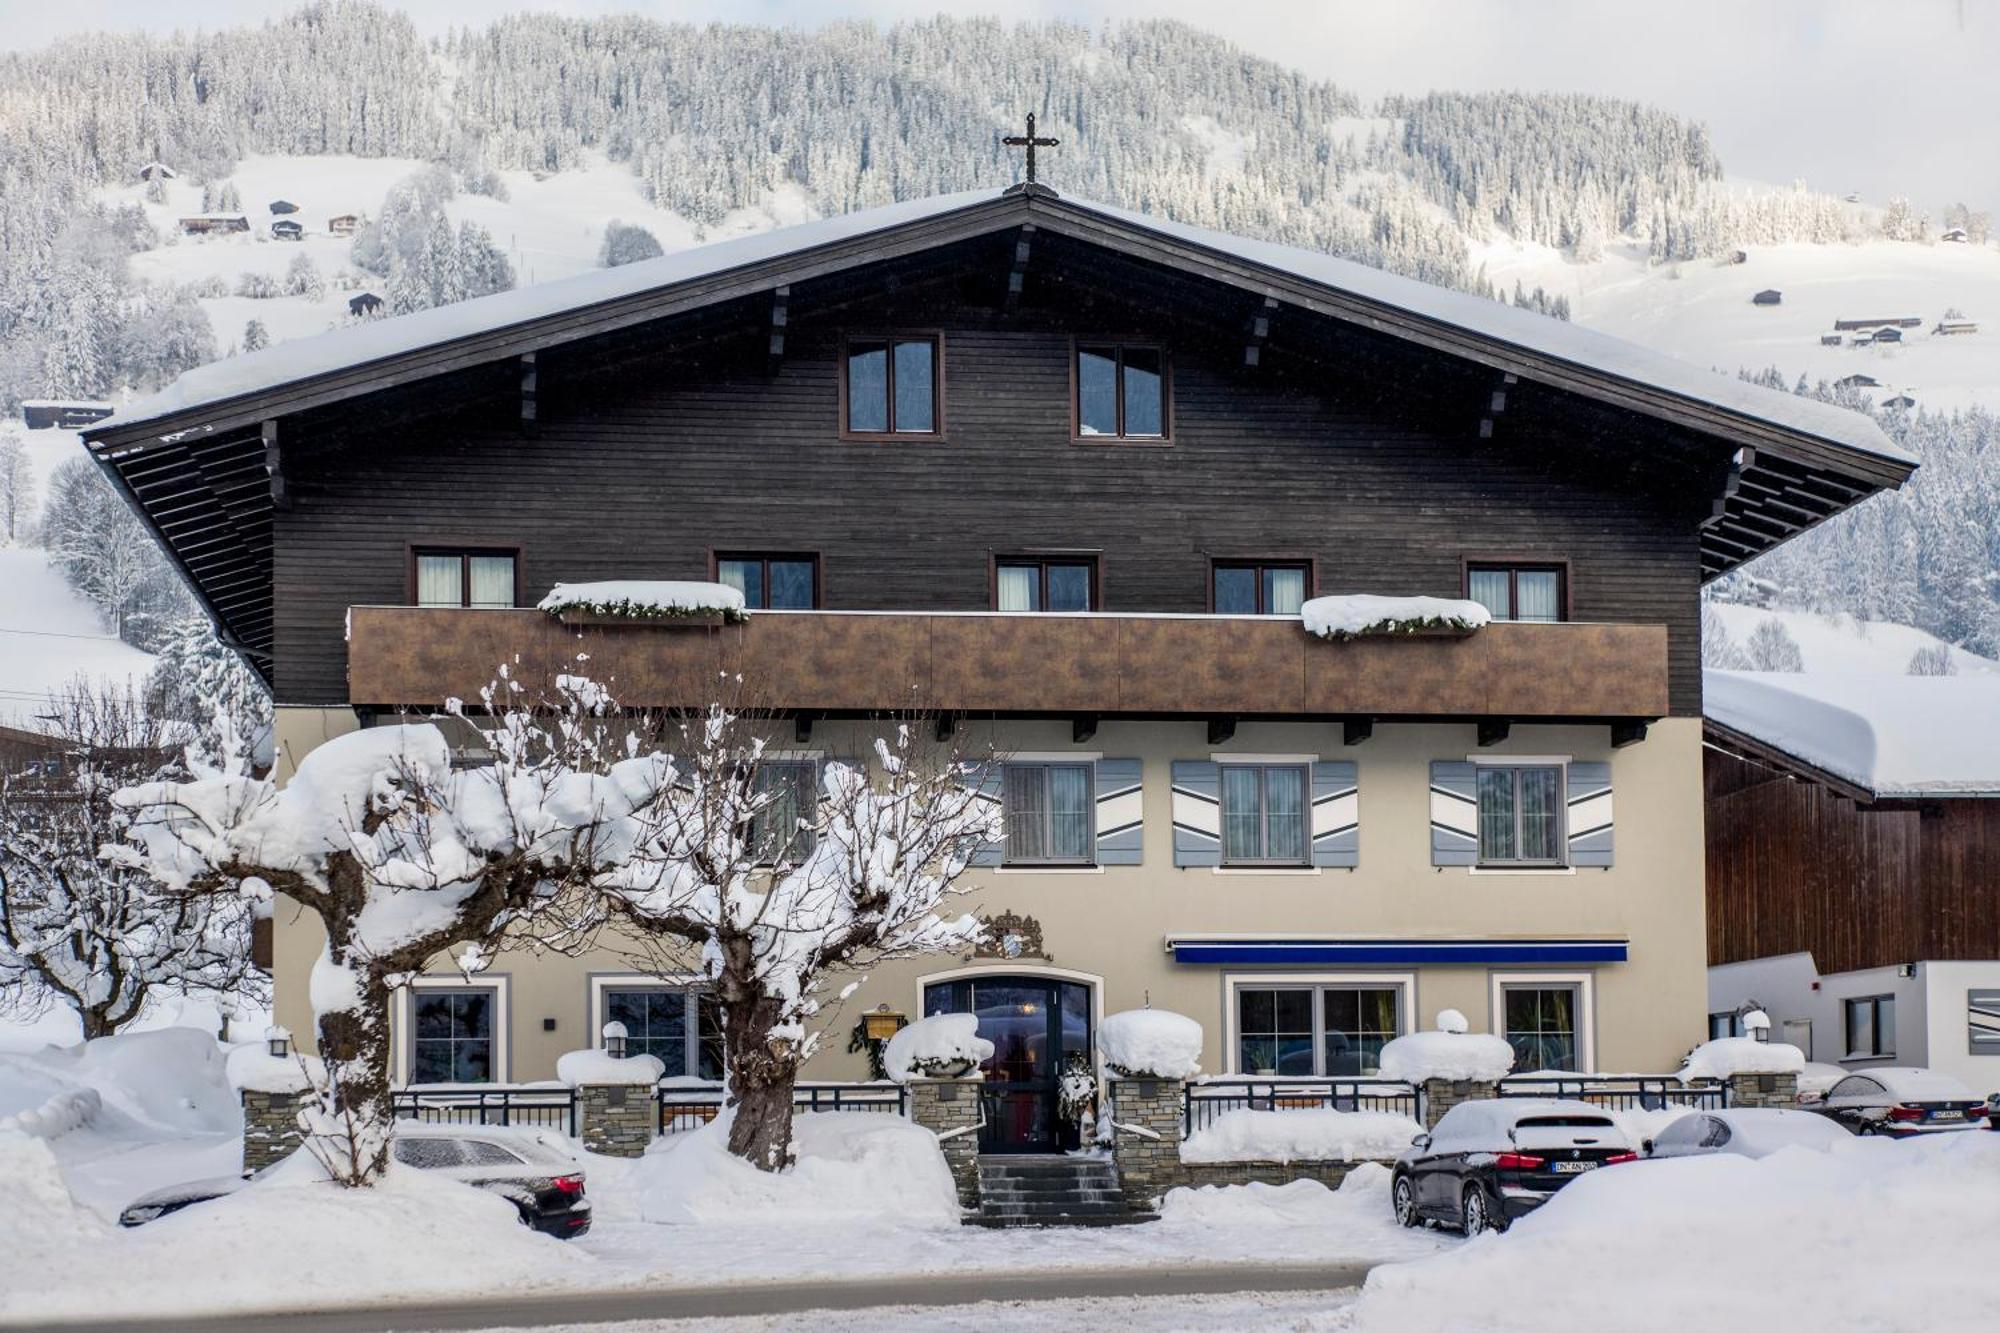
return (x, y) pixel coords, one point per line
(1121, 391)
(890, 387)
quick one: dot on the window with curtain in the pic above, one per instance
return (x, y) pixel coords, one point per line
(1048, 810)
(1540, 1023)
(452, 1040)
(1517, 592)
(1333, 1031)
(1520, 814)
(1121, 391)
(776, 832)
(465, 578)
(1264, 813)
(1054, 583)
(658, 1021)
(1258, 588)
(771, 582)
(892, 386)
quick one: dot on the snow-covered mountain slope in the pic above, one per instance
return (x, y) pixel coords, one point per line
(1701, 311)
(1840, 643)
(48, 636)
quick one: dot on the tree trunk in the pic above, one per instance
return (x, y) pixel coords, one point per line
(354, 1043)
(760, 1085)
(96, 1022)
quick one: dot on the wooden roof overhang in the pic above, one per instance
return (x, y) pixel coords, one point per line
(1744, 746)
(208, 479)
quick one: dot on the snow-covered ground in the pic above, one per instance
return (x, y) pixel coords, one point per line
(1844, 643)
(49, 635)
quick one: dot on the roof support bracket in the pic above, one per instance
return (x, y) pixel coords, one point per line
(1259, 332)
(274, 463)
(1355, 730)
(802, 727)
(1496, 403)
(947, 726)
(1017, 273)
(1628, 731)
(1493, 730)
(530, 391)
(1221, 729)
(1082, 727)
(781, 314)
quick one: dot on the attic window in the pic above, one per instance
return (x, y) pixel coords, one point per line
(1121, 391)
(890, 387)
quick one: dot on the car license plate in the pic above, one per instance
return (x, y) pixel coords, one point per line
(1574, 1168)
(1947, 1115)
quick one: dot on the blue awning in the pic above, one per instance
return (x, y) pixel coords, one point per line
(1250, 949)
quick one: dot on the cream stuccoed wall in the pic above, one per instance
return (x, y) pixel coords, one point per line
(1109, 926)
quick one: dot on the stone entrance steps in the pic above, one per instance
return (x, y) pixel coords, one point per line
(1052, 1191)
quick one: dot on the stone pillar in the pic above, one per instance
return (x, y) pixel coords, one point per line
(1777, 1090)
(271, 1129)
(616, 1119)
(1441, 1094)
(1147, 1116)
(949, 1108)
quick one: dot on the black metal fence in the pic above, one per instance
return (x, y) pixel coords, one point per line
(684, 1108)
(1622, 1093)
(1204, 1101)
(534, 1107)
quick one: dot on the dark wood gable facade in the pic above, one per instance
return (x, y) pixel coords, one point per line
(1380, 453)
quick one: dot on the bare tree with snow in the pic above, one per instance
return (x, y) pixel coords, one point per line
(88, 935)
(17, 490)
(1933, 660)
(1771, 647)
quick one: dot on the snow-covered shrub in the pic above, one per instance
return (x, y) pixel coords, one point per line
(1150, 1043)
(259, 286)
(626, 243)
(1448, 1053)
(941, 1046)
(643, 599)
(1359, 615)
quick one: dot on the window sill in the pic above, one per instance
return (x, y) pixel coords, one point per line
(894, 437)
(1523, 870)
(1124, 441)
(1266, 870)
(1048, 870)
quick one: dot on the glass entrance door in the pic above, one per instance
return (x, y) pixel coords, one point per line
(1037, 1025)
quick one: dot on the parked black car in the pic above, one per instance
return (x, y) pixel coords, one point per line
(541, 1180)
(1903, 1103)
(1490, 1162)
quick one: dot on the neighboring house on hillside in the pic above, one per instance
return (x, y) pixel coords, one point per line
(283, 206)
(1953, 234)
(214, 224)
(157, 171)
(61, 413)
(1081, 467)
(1894, 322)
(367, 303)
(1858, 382)
(1854, 865)
(285, 229)
(343, 224)
(1769, 296)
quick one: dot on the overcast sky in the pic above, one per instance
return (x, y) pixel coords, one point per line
(1881, 96)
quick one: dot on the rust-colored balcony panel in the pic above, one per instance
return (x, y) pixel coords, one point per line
(1133, 665)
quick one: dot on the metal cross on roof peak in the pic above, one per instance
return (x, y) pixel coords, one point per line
(1029, 142)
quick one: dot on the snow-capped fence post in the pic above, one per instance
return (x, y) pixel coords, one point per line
(938, 1059)
(1441, 1094)
(1757, 1072)
(949, 1108)
(1450, 1065)
(276, 1085)
(1779, 1090)
(615, 1111)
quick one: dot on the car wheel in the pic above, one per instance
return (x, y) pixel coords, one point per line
(1404, 1195)
(1477, 1213)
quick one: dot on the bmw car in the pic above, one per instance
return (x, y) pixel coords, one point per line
(1491, 1162)
(1902, 1103)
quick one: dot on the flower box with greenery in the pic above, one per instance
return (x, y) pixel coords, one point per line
(1361, 615)
(664, 601)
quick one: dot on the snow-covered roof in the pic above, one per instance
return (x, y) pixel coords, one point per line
(1892, 735)
(1489, 320)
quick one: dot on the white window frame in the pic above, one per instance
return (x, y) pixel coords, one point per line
(1586, 1007)
(403, 1027)
(1232, 982)
(602, 983)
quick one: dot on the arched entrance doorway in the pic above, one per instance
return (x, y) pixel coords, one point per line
(1037, 1025)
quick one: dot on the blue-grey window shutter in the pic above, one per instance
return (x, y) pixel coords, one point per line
(1588, 817)
(1336, 814)
(1120, 814)
(1197, 813)
(985, 780)
(1454, 813)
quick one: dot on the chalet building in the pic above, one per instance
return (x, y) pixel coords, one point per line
(1854, 865)
(1953, 234)
(1829, 340)
(1858, 382)
(280, 207)
(343, 224)
(214, 224)
(1888, 335)
(1901, 400)
(285, 229)
(367, 303)
(1065, 475)
(157, 171)
(62, 414)
(1949, 327)
(1769, 296)
(1896, 322)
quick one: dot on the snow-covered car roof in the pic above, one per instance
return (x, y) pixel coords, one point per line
(1765, 1129)
(544, 1145)
(1488, 321)
(1917, 1085)
(1889, 735)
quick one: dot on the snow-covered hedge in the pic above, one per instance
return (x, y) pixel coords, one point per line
(643, 599)
(1303, 1135)
(941, 1046)
(1150, 1043)
(57, 1116)
(1449, 1053)
(600, 1067)
(1742, 1055)
(1359, 615)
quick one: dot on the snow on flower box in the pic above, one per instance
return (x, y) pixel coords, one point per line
(672, 602)
(1360, 615)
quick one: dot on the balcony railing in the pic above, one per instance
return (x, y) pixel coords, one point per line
(1022, 665)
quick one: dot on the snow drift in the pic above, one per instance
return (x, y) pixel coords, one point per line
(1301, 1135)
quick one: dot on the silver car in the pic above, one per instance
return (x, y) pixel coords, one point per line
(1744, 1132)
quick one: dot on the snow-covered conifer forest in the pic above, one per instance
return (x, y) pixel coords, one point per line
(709, 121)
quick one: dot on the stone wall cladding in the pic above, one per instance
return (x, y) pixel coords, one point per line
(1329, 1174)
(945, 1105)
(1770, 1090)
(616, 1120)
(1146, 1143)
(271, 1130)
(1441, 1094)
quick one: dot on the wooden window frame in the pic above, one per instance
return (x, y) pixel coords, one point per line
(716, 555)
(1305, 857)
(1089, 857)
(1561, 859)
(1310, 564)
(1122, 440)
(1515, 566)
(1094, 559)
(890, 337)
(464, 550)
